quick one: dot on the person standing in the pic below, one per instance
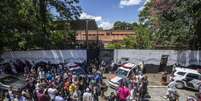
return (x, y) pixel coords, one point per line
(87, 96)
(112, 97)
(123, 92)
(52, 91)
(42, 96)
(58, 97)
(172, 90)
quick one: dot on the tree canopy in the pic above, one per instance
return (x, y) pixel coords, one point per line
(167, 24)
(120, 25)
(27, 24)
(173, 23)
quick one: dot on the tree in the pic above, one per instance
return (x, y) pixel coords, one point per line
(173, 23)
(140, 40)
(114, 46)
(118, 25)
(27, 24)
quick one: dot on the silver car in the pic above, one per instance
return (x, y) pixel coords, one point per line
(7, 81)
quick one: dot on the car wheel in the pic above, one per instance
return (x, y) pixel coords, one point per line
(180, 85)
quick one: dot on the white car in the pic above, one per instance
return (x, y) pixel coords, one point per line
(188, 78)
(122, 72)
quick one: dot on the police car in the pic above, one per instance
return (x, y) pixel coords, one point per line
(188, 78)
(122, 72)
(75, 69)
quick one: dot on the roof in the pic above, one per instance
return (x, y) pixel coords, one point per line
(128, 65)
(104, 31)
(187, 70)
(126, 69)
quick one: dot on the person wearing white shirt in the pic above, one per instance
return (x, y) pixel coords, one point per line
(58, 98)
(52, 92)
(87, 96)
(171, 88)
(41, 74)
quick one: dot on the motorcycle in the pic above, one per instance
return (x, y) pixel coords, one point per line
(173, 96)
(191, 98)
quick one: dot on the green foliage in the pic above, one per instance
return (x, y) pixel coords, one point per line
(140, 40)
(29, 24)
(173, 23)
(118, 25)
(114, 46)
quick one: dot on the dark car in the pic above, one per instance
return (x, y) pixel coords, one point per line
(8, 81)
(194, 67)
(77, 71)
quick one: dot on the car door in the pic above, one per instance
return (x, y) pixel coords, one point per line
(192, 80)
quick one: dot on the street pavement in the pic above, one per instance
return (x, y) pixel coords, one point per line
(157, 92)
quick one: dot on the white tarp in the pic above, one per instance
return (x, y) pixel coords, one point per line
(53, 56)
(185, 57)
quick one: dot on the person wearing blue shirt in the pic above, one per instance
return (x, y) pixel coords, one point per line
(49, 76)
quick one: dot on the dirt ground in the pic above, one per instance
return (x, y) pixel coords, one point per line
(154, 79)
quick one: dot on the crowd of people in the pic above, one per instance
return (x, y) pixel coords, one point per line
(56, 83)
(47, 82)
(133, 89)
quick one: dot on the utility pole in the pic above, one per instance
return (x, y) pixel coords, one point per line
(98, 48)
(97, 38)
(86, 32)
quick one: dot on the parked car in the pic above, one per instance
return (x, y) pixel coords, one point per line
(191, 66)
(194, 67)
(7, 81)
(75, 69)
(122, 72)
(188, 78)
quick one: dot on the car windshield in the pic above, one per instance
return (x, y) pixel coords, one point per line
(8, 80)
(121, 73)
(77, 71)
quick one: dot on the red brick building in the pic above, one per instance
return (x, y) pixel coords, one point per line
(105, 36)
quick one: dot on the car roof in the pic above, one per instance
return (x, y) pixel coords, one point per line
(126, 69)
(187, 70)
(128, 65)
(74, 68)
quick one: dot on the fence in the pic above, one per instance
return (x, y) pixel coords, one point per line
(53, 56)
(152, 58)
(185, 58)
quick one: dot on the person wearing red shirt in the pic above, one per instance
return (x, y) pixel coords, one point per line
(123, 92)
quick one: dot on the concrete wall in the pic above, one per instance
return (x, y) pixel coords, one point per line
(106, 55)
(185, 58)
(152, 58)
(54, 56)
